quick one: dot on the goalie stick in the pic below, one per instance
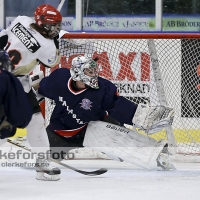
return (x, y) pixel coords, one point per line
(93, 173)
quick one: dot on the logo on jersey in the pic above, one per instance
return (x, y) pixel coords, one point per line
(25, 37)
(51, 60)
(86, 104)
(71, 111)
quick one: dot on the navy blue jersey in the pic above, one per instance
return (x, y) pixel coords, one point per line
(17, 108)
(74, 109)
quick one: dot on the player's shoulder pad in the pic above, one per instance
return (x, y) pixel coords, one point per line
(60, 72)
(23, 18)
(9, 79)
(8, 76)
(102, 82)
(5, 74)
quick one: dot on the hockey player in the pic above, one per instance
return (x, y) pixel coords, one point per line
(29, 42)
(15, 109)
(81, 97)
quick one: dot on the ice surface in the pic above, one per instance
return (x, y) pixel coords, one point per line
(123, 181)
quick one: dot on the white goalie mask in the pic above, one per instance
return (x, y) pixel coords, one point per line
(85, 70)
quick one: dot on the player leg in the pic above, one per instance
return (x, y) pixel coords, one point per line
(38, 140)
(60, 146)
(123, 144)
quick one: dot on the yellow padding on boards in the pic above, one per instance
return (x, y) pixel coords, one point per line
(20, 133)
(181, 135)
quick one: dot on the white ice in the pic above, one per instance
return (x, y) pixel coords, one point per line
(123, 181)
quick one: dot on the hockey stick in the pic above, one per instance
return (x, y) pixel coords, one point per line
(60, 5)
(93, 173)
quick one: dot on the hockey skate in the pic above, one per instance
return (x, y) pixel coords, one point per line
(163, 162)
(45, 171)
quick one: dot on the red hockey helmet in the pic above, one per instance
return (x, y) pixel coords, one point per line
(49, 18)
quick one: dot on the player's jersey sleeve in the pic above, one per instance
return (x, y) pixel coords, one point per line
(45, 88)
(50, 55)
(12, 96)
(117, 106)
(48, 85)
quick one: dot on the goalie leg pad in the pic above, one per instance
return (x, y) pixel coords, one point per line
(123, 144)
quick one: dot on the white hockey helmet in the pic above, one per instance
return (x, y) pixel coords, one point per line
(85, 70)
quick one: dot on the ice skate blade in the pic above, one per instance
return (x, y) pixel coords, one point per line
(45, 177)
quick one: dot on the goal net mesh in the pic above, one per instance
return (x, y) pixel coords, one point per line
(158, 71)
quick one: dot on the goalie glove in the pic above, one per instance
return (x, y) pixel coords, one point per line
(153, 119)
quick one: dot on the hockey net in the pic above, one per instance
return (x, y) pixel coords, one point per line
(162, 69)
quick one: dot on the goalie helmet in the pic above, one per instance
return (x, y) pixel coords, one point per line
(48, 18)
(5, 62)
(85, 70)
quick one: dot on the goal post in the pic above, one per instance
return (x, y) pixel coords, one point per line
(159, 68)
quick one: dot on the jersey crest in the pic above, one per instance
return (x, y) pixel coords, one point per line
(86, 104)
(51, 60)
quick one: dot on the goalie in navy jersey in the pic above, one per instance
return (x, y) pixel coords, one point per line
(15, 109)
(81, 96)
